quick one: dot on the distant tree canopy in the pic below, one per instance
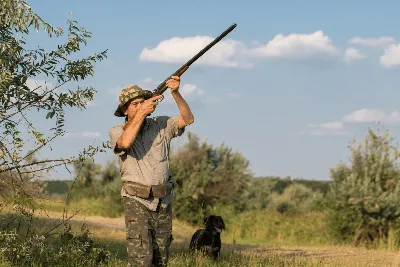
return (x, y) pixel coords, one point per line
(365, 195)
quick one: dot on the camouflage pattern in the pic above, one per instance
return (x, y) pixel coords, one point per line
(130, 92)
(148, 234)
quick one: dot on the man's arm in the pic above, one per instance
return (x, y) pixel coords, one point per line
(133, 125)
(186, 116)
(131, 130)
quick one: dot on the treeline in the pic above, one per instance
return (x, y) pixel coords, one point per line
(209, 178)
(58, 188)
(361, 202)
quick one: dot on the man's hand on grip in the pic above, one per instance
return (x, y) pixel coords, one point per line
(149, 105)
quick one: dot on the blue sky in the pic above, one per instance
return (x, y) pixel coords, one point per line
(289, 88)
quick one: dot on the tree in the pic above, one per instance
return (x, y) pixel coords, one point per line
(18, 64)
(86, 172)
(208, 177)
(110, 172)
(365, 195)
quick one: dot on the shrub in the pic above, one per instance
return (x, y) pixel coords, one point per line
(65, 249)
(365, 195)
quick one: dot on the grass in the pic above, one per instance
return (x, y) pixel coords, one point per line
(254, 227)
(90, 207)
(251, 256)
(252, 239)
(248, 255)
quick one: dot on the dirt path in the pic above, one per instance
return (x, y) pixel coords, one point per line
(329, 256)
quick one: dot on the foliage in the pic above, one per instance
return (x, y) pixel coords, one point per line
(27, 103)
(295, 198)
(97, 184)
(208, 176)
(56, 187)
(365, 195)
(19, 66)
(65, 249)
(259, 193)
(86, 172)
(110, 172)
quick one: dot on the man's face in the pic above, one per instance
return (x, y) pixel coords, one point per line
(130, 109)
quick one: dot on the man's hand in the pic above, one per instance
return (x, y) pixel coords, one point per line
(173, 83)
(149, 105)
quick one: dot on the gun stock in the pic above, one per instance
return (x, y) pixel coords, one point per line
(162, 87)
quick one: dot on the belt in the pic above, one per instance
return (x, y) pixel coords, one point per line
(146, 191)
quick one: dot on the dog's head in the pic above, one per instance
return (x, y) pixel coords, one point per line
(214, 223)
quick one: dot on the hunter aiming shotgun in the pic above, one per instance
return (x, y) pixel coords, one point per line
(162, 87)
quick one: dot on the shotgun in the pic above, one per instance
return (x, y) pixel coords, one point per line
(162, 87)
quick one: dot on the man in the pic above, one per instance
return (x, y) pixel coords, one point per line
(142, 145)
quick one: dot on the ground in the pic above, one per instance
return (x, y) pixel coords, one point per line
(110, 231)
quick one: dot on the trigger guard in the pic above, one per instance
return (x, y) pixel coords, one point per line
(160, 99)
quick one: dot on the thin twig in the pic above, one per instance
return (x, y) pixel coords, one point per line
(39, 162)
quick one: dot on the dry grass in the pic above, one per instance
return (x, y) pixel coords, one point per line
(248, 255)
(111, 232)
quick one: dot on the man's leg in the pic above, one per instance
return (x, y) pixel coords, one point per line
(163, 237)
(140, 245)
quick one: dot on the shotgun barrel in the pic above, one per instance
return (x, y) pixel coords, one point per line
(162, 87)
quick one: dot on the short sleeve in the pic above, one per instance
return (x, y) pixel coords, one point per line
(170, 124)
(115, 133)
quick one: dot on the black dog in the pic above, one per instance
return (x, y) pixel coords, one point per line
(208, 240)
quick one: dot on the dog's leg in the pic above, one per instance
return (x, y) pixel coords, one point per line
(194, 242)
(216, 247)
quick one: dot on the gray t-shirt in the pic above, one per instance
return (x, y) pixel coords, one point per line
(147, 160)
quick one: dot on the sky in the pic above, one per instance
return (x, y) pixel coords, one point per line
(289, 87)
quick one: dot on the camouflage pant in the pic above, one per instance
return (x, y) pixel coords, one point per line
(148, 233)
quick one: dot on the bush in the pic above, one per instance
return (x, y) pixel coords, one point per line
(65, 249)
(295, 198)
(365, 195)
(208, 177)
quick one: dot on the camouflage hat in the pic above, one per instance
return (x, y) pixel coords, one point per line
(130, 92)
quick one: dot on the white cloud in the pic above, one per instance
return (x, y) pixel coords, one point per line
(391, 56)
(372, 42)
(365, 115)
(334, 125)
(298, 46)
(358, 116)
(82, 135)
(226, 53)
(328, 128)
(352, 54)
(187, 91)
(191, 89)
(149, 84)
(372, 115)
(325, 132)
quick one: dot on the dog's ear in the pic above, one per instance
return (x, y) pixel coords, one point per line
(208, 221)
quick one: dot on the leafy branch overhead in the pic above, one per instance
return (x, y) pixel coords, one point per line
(20, 139)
